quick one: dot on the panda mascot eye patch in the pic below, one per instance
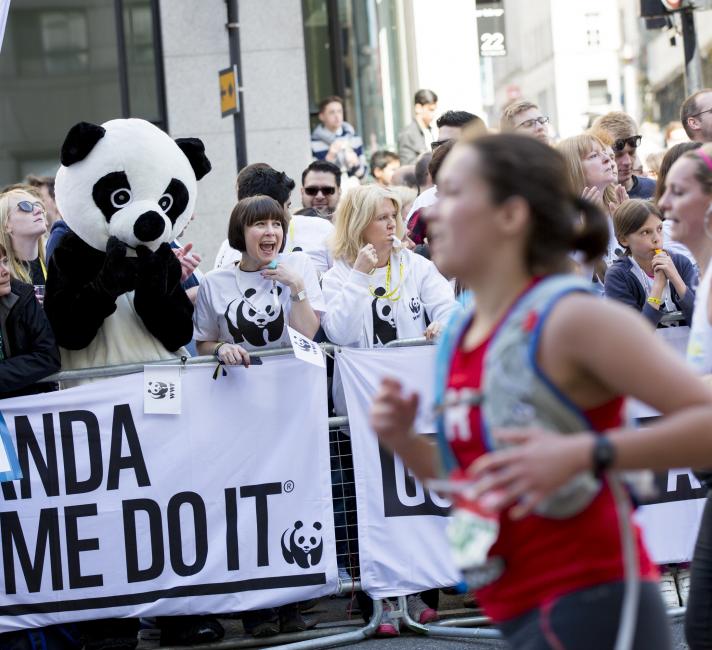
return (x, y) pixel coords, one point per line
(111, 193)
(174, 200)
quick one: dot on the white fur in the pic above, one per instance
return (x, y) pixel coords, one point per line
(150, 159)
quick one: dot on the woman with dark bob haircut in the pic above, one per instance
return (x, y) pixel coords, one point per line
(541, 370)
(247, 306)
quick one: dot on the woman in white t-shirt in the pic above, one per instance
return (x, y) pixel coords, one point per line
(248, 305)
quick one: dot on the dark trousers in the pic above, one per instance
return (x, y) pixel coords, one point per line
(588, 620)
(698, 620)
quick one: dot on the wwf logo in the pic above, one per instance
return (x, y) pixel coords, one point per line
(161, 390)
(415, 307)
(304, 344)
(303, 546)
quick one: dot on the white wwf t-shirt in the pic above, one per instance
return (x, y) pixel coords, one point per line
(308, 234)
(243, 307)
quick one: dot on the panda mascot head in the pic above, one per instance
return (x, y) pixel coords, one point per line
(125, 190)
(130, 180)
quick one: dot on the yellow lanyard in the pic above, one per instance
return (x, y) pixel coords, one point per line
(390, 295)
(44, 269)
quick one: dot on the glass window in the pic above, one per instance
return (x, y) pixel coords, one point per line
(61, 64)
(366, 66)
(598, 94)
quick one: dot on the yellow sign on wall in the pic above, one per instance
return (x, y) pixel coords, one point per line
(228, 91)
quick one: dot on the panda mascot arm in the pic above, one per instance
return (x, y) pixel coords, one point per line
(160, 300)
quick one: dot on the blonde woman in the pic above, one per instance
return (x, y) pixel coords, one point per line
(377, 291)
(592, 174)
(22, 230)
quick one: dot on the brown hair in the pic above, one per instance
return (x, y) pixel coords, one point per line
(556, 227)
(330, 100)
(438, 158)
(631, 215)
(703, 173)
(511, 111)
(671, 155)
(248, 212)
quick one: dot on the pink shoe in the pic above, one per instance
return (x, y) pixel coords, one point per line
(389, 626)
(419, 611)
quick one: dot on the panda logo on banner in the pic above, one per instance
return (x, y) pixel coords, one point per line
(304, 545)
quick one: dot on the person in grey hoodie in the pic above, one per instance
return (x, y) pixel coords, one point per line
(647, 277)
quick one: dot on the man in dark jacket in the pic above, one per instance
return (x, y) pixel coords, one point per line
(28, 352)
(417, 137)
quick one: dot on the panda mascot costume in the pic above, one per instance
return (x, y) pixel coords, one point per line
(126, 190)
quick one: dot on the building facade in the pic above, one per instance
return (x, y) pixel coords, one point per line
(95, 60)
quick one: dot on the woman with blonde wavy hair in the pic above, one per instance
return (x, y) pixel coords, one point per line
(22, 230)
(377, 292)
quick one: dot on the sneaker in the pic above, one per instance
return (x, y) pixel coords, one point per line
(419, 611)
(683, 585)
(390, 626)
(668, 590)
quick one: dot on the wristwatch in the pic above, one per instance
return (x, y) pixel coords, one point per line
(604, 453)
(299, 297)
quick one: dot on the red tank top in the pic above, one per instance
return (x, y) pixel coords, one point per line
(544, 558)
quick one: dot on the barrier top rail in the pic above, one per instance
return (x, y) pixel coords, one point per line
(104, 372)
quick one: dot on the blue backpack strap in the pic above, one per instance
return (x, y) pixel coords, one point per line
(447, 345)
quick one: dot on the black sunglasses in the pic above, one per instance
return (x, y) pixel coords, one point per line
(436, 143)
(28, 206)
(326, 191)
(633, 141)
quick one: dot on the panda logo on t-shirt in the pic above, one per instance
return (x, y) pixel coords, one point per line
(384, 319)
(259, 320)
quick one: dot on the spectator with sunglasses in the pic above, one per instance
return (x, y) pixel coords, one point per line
(321, 187)
(622, 130)
(525, 117)
(696, 116)
(22, 230)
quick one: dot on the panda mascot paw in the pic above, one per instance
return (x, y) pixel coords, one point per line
(126, 190)
(118, 273)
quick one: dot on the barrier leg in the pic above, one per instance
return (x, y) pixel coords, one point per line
(447, 628)
(347, 638)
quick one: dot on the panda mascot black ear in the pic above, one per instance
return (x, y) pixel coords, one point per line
(80, 140)
(194, 151)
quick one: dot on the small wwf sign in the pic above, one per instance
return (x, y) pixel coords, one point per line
(162, 390)
(305, 349)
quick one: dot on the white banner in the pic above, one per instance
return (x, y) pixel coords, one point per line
(4, 9)
(401, 526)
(224, 508)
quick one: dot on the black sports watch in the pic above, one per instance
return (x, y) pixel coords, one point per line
(604, 453)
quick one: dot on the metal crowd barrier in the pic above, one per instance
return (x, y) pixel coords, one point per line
(346, 532)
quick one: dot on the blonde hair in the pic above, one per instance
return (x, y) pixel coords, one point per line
(574, 150)
(355, 212)
(617, 123)
(18, 268)
(511, 111)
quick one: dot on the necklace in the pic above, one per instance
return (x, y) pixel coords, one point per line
(275, 298)
(392, 295)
